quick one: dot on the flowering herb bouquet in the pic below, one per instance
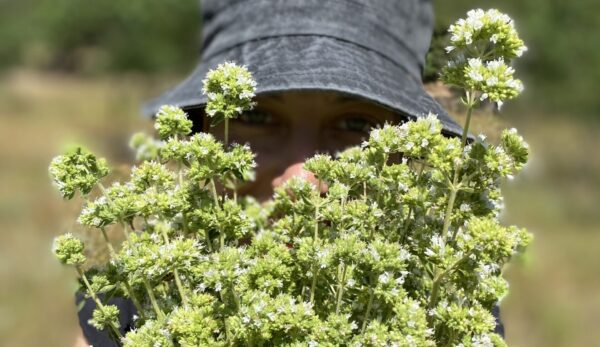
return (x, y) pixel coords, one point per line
(396, 253)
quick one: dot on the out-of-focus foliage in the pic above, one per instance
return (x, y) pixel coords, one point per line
(563, 63)
(101, 35)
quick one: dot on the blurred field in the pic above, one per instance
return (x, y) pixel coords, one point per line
(555, 287)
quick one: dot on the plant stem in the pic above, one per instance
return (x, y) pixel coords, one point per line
(236, 298)
(437, 280)
(208, 240)
(313, 286)
(368, 311)
(111, 249)
(127, 285)
(226, 121)
(315, 239)
(216, 199)
(235, 190)
(448, 213)
(180, 174)
(316, 231)
(105, 193)
(97, 300)
(440, 276)
(103, 190)
(155, 306)
(180, 288)
(470, 106)
(136, 303)
(340, 293)
(178, 283)
(214, 191)
(125, 231)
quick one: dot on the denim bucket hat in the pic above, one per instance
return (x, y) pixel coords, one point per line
(372, 49)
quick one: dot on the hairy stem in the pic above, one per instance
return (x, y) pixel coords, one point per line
(340, 292)
(368, 311)
(313, 286)
(180, 174)
(454, 191)
(133, 298)
(216, 199)
(440, 277)
(178, 283)
(226, 142)
(155, 305)
(97, 300)
(315, 239)
(111, 249)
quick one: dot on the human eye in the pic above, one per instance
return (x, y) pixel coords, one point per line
(255, 117)
(356, 123)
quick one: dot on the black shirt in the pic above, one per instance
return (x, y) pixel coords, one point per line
(102, 338)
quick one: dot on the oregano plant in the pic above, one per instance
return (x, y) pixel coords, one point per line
(403, 252)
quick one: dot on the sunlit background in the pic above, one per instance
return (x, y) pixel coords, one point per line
(78, 71)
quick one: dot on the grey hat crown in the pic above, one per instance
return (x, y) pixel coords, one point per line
(398, 30)
(371, 49)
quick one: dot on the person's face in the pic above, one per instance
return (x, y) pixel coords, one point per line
(285, 129)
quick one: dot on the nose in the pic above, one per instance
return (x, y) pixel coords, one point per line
(297, 170)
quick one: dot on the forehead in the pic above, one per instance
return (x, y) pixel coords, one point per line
(324, 95)
(319, 99)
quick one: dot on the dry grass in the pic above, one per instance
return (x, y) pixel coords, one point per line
(555, 288)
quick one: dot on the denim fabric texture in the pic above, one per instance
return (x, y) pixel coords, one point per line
(372, 49)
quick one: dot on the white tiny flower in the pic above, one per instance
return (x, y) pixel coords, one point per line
(519, 52)
(384, 278)
(475, 75)
(492, 81)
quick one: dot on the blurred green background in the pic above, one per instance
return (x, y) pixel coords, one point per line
(74, 70)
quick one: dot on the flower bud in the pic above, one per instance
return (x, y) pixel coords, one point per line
(69, 250)
(172, 121)
(105, 316)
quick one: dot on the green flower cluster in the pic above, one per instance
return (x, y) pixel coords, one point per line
(482, 47)
(404, 249)
(483, 28)
(69, 250)
(172, 121)
(76, 170)
(230, 89)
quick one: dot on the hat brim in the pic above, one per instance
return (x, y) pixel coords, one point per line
(309, 62)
